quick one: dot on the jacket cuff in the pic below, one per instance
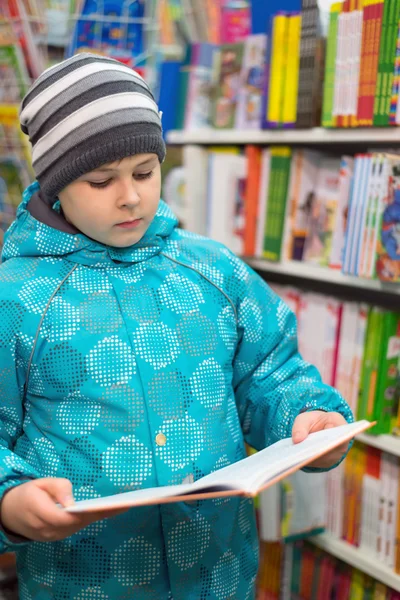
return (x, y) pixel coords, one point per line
(10, 541)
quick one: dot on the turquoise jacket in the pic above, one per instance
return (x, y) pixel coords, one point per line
(101, 350)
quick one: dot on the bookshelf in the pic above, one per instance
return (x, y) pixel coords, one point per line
(386, 443)
(317, 135)
(301, 270)
(360, 559)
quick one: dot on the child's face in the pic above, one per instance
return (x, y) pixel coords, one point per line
(116, 203)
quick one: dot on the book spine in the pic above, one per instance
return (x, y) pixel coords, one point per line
(386, 397)
(370, 98)
(366, 60)
(279, 50)
(381, 63)
(291, 77)
(280, 167)
(388, 67)
(309, 66)
(253, 154)
(396, 83)
(328, 119)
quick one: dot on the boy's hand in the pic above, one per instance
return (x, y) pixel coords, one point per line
(31, 510)
(316, 420)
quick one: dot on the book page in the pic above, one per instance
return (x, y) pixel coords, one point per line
(246, 476)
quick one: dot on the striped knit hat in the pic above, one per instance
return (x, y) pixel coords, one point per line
(85, 112)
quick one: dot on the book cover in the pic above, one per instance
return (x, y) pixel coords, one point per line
(225, 215)
(389, 68)
(226, 78)
(303, 176)
(193, 213)
(199, 91)
(340, 219)
(247, 477)
(370, 368)
(248, 111)
(387, 400)
(328, 119)
(235, 21)
(388, 245)
(367, 217)
(277, 195)
(362, 169)
(396, 83)
(397, 539)
(13, 73)
(318, 243)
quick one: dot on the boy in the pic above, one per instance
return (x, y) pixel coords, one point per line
(133, 355)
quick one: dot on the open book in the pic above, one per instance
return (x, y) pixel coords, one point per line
(247, 477)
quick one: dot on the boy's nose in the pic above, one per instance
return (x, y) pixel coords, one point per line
(128, 197)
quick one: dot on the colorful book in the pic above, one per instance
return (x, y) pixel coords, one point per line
(226, 79)
(254, 156)
(291, 76)
(388, 246)
(340, 220)
(372, 27)
(310, 79)
(198, 102)
(277, 195)
(303, 177)
(328, 119)
(387, 400)
(323, 213)
(248, 111)
(369, 380)
(386, 66)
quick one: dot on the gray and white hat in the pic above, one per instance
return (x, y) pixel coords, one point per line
(84, 112)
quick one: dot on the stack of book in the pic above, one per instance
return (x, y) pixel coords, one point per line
(356, 349)
(361, 86)
(282, 204)
(299, 571)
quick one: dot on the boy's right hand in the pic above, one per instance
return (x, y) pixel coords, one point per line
(31, 510)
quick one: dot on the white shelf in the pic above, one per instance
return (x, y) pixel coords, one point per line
(306, 271)
(387, 443)
(360, 559)
(317, 135)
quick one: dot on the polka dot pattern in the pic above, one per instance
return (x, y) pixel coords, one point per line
(173, 339)
(140, 571)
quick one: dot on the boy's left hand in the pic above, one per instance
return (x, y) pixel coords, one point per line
(316, 420)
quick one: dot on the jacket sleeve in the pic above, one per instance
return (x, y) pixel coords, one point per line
(272, 382)
(14, 470)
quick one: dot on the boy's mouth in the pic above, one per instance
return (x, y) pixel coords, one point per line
(129, 224)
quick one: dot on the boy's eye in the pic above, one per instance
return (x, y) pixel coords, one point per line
(99, 184)
(141, 176)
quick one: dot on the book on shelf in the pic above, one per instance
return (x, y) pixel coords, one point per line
(227, 66)
(300, 570)
(246, 478)
(336, 213)
(361, 351)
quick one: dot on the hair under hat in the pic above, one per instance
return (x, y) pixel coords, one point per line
(85, 112)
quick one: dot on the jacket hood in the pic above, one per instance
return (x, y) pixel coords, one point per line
(30, 237)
